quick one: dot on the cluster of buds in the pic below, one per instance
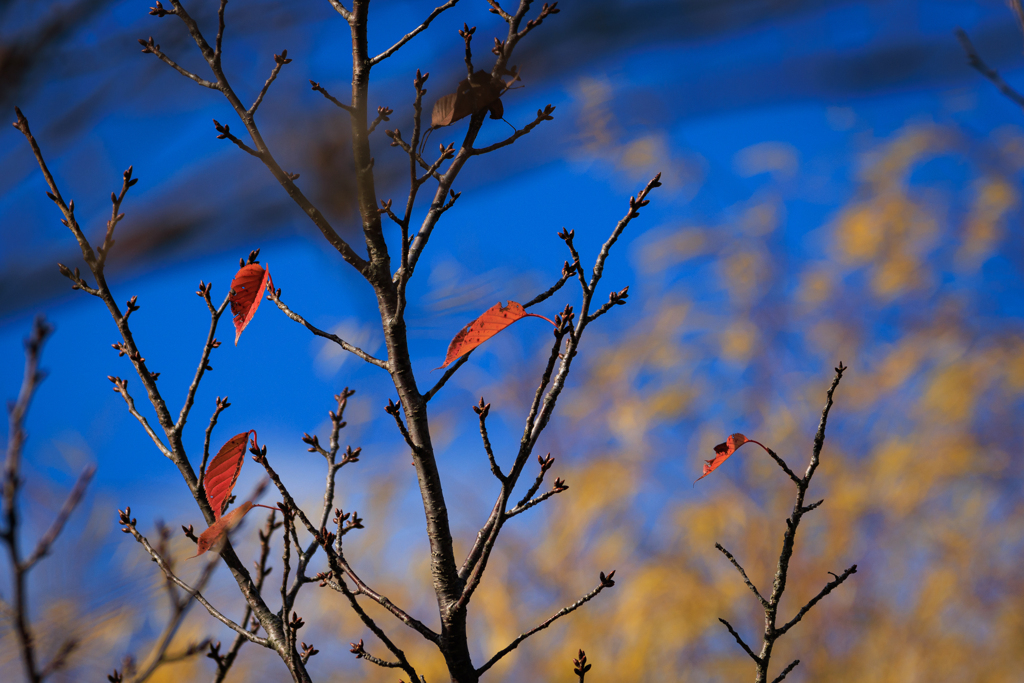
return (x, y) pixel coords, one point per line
(131, 306)
(563, 322)
(451, 202)
(307, 652)
(148, 46)
(580, 666)
(545, 114)
(619, 298)
(482, 409)
(357, 649)
(545, 11)
(347, 521)
(73, 275)
(159, 11)
(259, 453)
(313, 441)
(417, 82)
(350, 455)
(324, 577)
(125, 517)
(296, 622)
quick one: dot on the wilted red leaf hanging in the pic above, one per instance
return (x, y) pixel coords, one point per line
(494, 320)
(723, 451)
(213, 538)
(222, 472)
(478, 92)
(247, 290)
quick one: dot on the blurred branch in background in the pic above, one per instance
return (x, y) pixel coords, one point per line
(976, 62)
(16, 610)
(74, 68)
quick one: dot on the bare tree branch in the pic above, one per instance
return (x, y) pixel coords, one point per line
(785, 672)
(746, 648)
(129, 528)
(764, 603)
(829, 587)
(606, 582)
(354, 350)
(771, 605)
(412, 34)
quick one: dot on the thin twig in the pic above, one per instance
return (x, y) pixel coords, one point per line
(606, 582)
(279, 61)
(829, 587)
(129, 527)
(785, 672)
(121, 387)
(482, 410)
(403, 661)
(446, 376)
(412, 34)
(204, 361)
(746, 580)
(320, 89)
(746, 648)
(222, 405)
(355, 350)
(542, 115)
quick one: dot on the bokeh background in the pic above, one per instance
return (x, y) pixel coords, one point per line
(839, 185)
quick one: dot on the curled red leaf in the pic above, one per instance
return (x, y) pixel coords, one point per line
(722, 451)
(246, 292)
(213, 538)
(491, 322)
(222, 472)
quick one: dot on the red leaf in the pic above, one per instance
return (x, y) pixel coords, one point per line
(494, 320)
(213, 538)
(246, 292)
(723, 451)
(222, 473)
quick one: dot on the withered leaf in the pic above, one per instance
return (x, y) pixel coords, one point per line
(722, 451)
(213, 538)
(494, 320)
(247, 290)
(473, 94)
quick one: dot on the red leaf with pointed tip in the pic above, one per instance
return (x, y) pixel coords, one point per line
(213, 537)
(723, 451)
(494, 320)
(246, 293)
(222, 472)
